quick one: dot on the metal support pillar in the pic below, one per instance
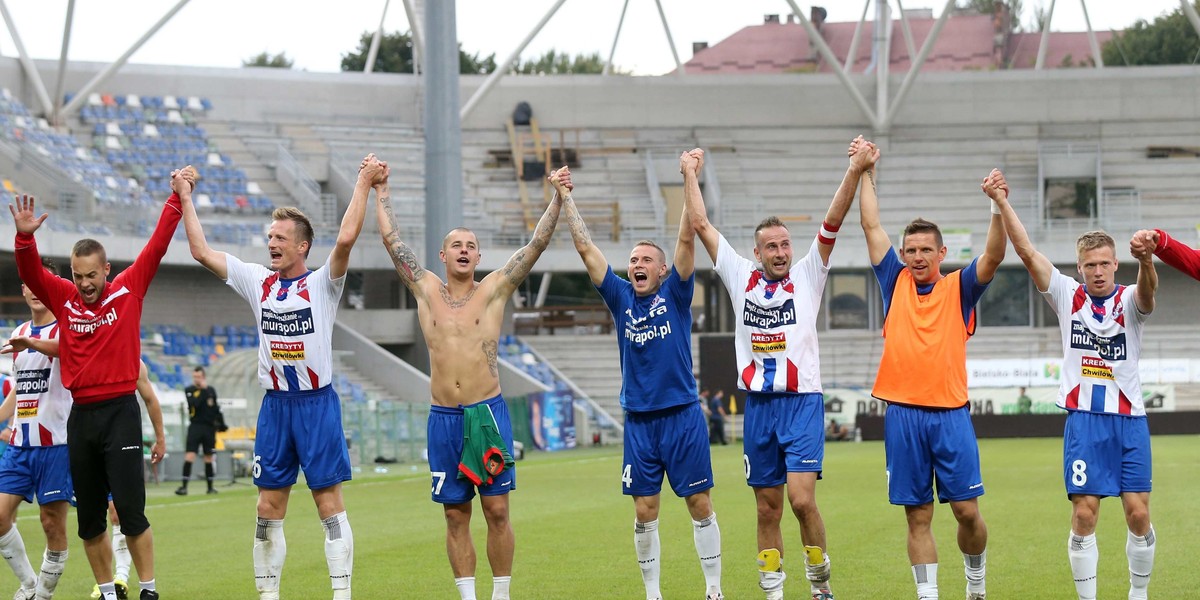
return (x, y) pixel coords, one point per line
(1045, 43)
(616, 36)
(27, 63)
(915, 69)
(443, 132)
(829, 57)
(852, 53)
(102, 76)
(1096, 57)
(62, 63)
(1190, 11)
(670, 40)
(414, 25)
(503, 67)
(373, 51)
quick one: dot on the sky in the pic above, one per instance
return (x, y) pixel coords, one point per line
(316, 33)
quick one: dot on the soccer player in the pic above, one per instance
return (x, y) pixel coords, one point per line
(1106, 444)
(36, 463)
(460, 319)
(300, 421)
(928, 319)
(777, 358)
(100, 347)
(1168, 249)
(204, 413)
(665, 428)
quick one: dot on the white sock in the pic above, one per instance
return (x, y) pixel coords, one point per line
(53, 563)
(12, 548)
(466, 587)
(339, 554)
(1084, 555)
(270, 549)
(108, 591)
(645, 541)
(121, 555)
(147, 585)
(975, 566)
(1140, 551)
(926, 578)
(500, 587)
(707, 536)
(770, 574)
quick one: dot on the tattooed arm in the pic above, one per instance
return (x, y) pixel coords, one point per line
(521, 263)
(593, 258)
(411, 272)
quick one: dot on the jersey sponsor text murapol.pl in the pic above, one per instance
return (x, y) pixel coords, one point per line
(86, 325)
(1109, 348)
(288, 324)
(759, 317)
(33, 381)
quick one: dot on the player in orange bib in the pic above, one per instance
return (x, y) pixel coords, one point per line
(928, 434)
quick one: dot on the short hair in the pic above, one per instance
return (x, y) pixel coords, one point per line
(771, 221)
(50, 265)
(304, 228)
(661, 253)
(1092, 240)
(919, 225)
(88, 247)
(199, 369)
(464, 229)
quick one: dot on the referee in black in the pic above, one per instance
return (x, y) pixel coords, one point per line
(206, 419)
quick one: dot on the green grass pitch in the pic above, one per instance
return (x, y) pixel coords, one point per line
(574, 533)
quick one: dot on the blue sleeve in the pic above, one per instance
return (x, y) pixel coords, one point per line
(682, 289)
(611, 291)
(886, 273)
(970, 289)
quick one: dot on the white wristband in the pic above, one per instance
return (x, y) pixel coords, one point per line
(995, 208)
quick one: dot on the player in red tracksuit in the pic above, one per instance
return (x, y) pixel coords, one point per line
(100, 348)
(1168, 249)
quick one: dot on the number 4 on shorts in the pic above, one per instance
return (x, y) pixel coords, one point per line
(626, 478)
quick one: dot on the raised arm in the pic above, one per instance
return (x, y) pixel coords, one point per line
(414, 276)
(33, 274)
(154, 410)
(371, 172)
(212, 260)
(685, 245)
(1142, 248)
(139, 274)
(1173, 252)
(862, 158)
(1040, 268)
(522, 261)
(593, 258)
(878, 243)
(993, 251)
(693, 202)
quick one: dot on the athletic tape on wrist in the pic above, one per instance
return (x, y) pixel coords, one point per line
(995, 208)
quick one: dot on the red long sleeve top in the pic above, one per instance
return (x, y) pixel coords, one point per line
(1178, 255)
(100, 343)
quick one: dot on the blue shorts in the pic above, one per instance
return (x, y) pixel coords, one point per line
(782, 433)
(42, 471)
(300, 430)
(1106, 455)
(672, 440)
(921, 443)
(445, 437)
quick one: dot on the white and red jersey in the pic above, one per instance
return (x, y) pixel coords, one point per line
(776, 332)
(295, 322)
(43, 404)
(1102, 342)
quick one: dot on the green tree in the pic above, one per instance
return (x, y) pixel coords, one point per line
(561, 63)
(263, 59)
(395, 55)
(1169, 40)
(988, 7)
